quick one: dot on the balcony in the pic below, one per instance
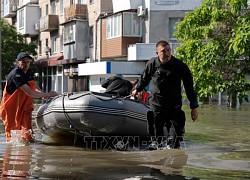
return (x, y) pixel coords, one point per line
(49, 23)
(75, 11)
(25, 24)
(9, 9)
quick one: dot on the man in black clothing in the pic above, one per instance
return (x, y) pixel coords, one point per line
(116, 85)
(166, 73)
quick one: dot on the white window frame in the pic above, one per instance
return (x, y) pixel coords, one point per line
(113, 26)
(21, 19)
(132, 26)
(78, 2)
(69, 34)
(53, 44)
(53, 7)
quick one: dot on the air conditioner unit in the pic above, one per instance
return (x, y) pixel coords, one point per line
(37, 26)
(140, 11)
(14, 8)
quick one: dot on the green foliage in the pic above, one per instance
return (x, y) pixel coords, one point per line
(12, 44)
(215, 43)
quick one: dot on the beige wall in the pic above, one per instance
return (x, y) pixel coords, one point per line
(94, 10)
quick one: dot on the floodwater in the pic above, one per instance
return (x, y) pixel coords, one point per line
(216, 146)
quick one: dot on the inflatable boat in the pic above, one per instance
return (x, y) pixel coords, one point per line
(91, 113)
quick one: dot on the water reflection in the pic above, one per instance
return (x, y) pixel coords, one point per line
(45, 161)
(16, 161)
(217, 147)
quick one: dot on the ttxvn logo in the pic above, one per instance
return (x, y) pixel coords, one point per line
(119, 142)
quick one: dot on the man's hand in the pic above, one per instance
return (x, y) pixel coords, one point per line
(52, 94)
(134, 93)
(194, 114)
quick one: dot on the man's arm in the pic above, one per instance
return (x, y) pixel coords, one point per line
(189, 89)
(188, 83)
(36, 94)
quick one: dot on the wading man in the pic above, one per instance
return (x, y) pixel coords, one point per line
(166, 73)
(17, 102)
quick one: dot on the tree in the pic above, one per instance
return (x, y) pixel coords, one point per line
(215, 43)
(12, 44)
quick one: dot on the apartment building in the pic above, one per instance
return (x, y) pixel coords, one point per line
(129, 34)
(82, 42)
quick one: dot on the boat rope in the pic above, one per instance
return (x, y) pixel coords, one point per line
(92, 94)
(73, 126)
(76, 131)
(111, 97)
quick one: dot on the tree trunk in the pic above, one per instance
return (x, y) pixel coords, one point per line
(232, 100)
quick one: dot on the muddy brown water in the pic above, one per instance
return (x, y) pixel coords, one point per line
(216, 146)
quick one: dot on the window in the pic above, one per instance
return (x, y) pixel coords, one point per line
(53, 7)
(46, 48)
(61, 6)
(47, 9)
(53, 44)
(131, 25)
(91, 36)
(113, 27)
(61, 43)
(172, 29)
(21, 19)
(78, 2)
(69, 34)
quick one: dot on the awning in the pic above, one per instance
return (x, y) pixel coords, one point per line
(52, 61)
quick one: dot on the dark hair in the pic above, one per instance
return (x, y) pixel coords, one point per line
(162, 43)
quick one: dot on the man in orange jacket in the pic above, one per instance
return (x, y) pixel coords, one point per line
(17, 103)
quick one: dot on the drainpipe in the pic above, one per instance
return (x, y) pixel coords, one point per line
(96, 21)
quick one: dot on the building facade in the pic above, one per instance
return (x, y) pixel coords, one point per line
(115, 36)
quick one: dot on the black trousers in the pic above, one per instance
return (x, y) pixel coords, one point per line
(169, 118)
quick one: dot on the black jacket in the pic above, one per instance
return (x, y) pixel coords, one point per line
(118, 86)
(165, 82)
(17, 78)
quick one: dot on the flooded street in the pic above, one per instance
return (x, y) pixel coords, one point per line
(217, 146)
